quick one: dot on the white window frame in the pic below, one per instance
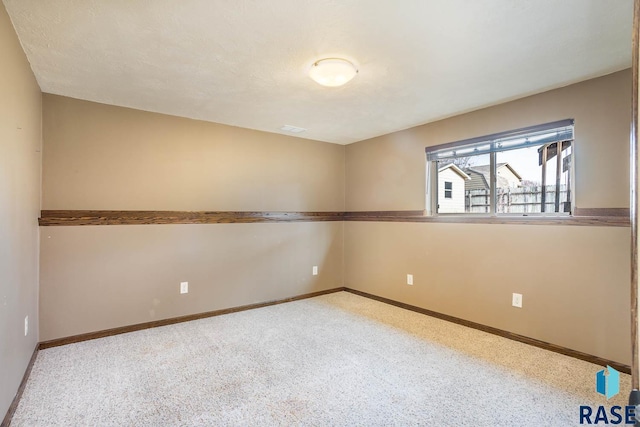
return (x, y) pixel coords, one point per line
(490, 144)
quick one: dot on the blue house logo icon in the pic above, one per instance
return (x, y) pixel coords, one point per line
(608, 382)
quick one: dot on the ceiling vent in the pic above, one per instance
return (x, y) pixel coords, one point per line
(292, 129)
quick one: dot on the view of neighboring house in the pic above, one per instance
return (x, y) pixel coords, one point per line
(467, 190)
(506, 177)
(477, 190)
(451, 189)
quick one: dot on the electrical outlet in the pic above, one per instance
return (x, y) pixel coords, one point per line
(409, 279)
(516, 300)
(26, 326)
(184, 287)
(314, 271)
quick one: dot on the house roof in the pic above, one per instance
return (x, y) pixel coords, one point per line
(456, 169)
(480, 176)
(484, 169)
(245, 63)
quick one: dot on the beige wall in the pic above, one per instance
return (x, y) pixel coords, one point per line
(20, 146)
(388, 172)
(574, 280)
(577, 298)
(104, 157)
(100, 277)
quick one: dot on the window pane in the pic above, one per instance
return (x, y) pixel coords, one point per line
(469, 173)
(520, 178)
(532, 172)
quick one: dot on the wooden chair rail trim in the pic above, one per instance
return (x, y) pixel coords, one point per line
(610, 217)
(48, 217)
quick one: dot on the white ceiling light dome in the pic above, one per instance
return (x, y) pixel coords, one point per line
(332, 72)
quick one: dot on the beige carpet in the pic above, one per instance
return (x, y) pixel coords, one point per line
(335, 360)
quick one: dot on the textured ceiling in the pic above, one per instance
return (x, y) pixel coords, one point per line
(245, 63)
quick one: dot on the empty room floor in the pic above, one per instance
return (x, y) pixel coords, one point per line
(337, 359)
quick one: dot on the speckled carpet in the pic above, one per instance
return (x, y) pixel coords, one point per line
(334, 360)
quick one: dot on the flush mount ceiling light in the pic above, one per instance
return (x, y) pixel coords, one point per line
(332, 72)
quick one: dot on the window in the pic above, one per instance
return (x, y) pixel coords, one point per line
(519, 172)
(448, 189)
